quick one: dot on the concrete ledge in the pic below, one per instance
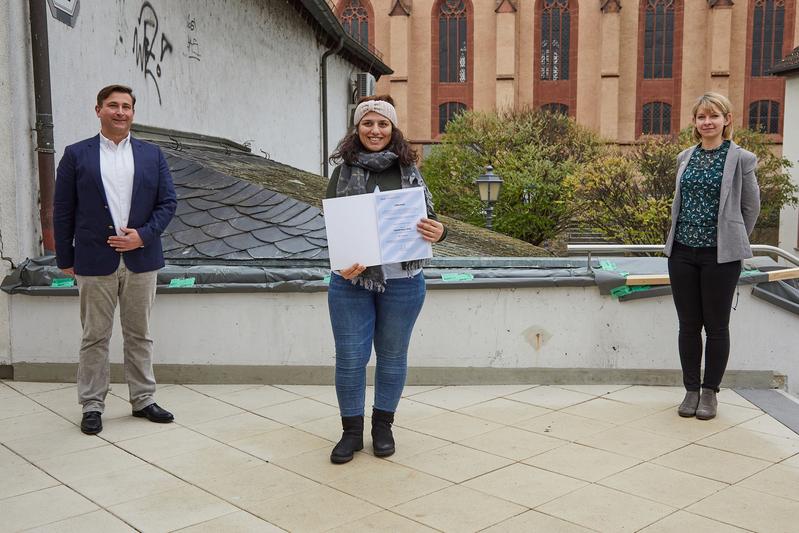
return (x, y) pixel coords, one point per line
(323, 375)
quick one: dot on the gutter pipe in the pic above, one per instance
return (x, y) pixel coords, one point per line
(40, 50)
(323, 80)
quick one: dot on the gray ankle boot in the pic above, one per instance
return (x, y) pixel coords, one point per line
(688, 406)
(707, 405)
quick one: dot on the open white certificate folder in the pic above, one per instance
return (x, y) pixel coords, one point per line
(375, 229)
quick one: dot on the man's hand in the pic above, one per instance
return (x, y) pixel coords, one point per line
(69, 271)
(127, 242)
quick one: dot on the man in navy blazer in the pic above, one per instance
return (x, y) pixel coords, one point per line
(113, 199)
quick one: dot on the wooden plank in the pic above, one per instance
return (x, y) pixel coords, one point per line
(788, 273)
(648, 279)
(663, 279)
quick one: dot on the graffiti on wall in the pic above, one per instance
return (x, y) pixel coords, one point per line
(192, 45)
(150, 45)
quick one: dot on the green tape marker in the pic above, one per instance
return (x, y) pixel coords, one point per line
(456, 276)
(326, 279)
(181, 282)
(607, 265)
(620, 291)
(753, 272)
(62, 282)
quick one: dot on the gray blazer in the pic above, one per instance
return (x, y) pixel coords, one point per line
(739, 203)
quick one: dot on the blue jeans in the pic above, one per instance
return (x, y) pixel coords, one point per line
(359, 318)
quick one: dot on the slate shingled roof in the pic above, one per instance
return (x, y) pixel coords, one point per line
(238, 208)
(225, 218)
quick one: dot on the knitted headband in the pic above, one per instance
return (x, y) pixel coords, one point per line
(378, 106)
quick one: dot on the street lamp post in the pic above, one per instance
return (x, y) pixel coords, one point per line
(489, 185)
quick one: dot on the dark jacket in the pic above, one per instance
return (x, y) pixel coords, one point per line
(81, 218)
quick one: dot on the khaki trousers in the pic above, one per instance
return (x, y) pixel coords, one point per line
(98, 300)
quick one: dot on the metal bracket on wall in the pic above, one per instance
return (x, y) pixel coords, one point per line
(65, 11)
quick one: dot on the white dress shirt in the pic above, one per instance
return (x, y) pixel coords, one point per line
(116, 169)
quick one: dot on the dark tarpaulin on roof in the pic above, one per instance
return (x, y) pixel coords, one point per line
(35, 277)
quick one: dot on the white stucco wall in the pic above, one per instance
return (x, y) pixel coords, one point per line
(569, 327)
(20, 231)
(339, 94)
(789, 217)
(247, 70)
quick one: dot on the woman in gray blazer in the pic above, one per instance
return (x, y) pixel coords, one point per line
(716, 204)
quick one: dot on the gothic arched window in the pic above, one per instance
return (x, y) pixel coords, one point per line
(656, 118)
(768, 25)
(562, 109)
(659, 77)
(555, 40)
(555, 55)
(659, 39)
(451, 69)
(770, 30)
(764, 116)
(452, 43)
(354, 16)
(447, 112)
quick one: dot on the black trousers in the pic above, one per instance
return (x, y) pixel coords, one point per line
(703, 291)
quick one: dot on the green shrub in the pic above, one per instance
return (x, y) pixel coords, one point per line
(532, 151)
(629, 197)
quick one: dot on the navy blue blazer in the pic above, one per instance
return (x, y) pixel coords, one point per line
(81, 218)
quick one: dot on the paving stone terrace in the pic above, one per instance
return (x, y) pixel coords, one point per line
(469, 458)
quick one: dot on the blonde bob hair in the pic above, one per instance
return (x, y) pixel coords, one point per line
(713, 102)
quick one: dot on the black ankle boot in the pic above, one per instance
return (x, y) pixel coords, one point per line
(382, 438)
(351, 440)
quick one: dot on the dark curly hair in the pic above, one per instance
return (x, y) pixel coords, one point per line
(349, 147)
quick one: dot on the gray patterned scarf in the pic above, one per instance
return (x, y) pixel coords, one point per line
(352, 180)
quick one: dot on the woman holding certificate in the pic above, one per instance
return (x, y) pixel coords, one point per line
(377, 304)
(715, 208)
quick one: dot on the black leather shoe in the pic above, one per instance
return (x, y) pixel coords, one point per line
(92, 423)
(153, 413)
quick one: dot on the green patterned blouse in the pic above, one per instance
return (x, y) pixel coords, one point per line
(700, 186)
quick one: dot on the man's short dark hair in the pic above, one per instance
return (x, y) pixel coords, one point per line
(105, 92)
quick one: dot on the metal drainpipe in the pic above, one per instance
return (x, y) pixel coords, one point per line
(44, 119)
(323, 81)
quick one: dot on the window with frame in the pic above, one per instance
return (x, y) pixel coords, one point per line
(556, 108)
(656, 119)
(355, 20)
(764, 116)
(452, 42)
(555, 39)
(658, 39)
(446, 112)
(768, 25)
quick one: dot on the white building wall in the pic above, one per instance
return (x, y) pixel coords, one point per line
(339, 95)
(789, 216)
(568, 327)
(20, 230)
(247, 70)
